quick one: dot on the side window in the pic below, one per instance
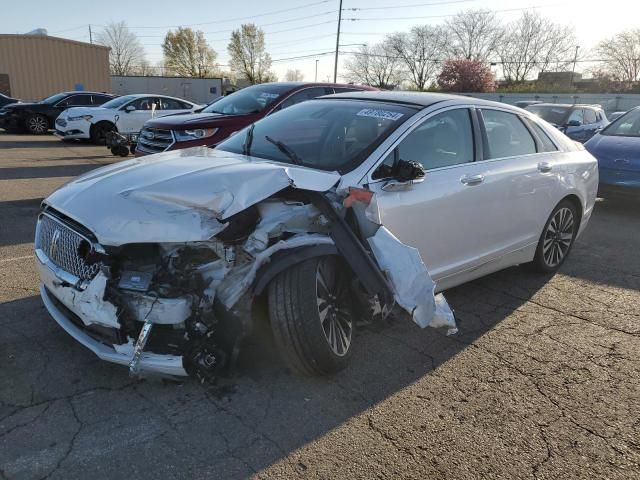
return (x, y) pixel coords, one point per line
(143, 103)
(443, 140)
(576, 115)
(589, 116)
(170, 104)
(79, 100)
(547, 143)
(100, 99)
(506, 135)
(306, 94)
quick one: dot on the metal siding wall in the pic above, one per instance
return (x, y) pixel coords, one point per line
(39, 66)
(193, 89)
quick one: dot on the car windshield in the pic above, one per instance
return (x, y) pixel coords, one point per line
(628, 125)
(248, 100)
(550, 113)
(54, 98)
(327, 134)
(118, 102)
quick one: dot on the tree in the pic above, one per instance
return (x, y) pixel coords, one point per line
(375, 65)
(474, 35)
(419, 51)
(462, 75)
(293, 75)
(621, 56)
(187, 54)
(534, 44)
(126, 52)
(249, 58)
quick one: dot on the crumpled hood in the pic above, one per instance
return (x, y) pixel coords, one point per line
(176, 196)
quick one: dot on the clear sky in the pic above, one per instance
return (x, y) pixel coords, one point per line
(307, 27)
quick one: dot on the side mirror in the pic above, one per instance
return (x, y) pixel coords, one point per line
(407, 174)
(129, 108)
(574, 123)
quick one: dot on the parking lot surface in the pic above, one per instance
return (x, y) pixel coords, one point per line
(542, 381)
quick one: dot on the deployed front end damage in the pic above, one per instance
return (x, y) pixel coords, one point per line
(183, 308)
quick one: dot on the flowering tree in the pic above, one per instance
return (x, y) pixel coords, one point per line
(462, 75)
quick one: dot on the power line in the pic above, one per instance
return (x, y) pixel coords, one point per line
(385, 7)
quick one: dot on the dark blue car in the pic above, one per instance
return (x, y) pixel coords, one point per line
(617, 149)
(578, 122)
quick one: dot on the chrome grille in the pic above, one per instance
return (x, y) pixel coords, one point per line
(61, 245)
(154, 140)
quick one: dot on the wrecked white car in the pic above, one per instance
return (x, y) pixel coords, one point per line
(337, 209)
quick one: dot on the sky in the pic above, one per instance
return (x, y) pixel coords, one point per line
(295, 28)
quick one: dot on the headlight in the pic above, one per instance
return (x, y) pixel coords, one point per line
(81, 117)
(195, 134)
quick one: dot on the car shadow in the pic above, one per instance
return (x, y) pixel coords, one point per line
(614, 225)
(21, 216)
(264, 405)
(50, 171)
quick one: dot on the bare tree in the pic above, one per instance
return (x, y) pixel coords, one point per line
(249, 59)
(375, 65)
(532, 44)
(474, 35)
(621, 56)
(293, 75)
(126, 52)
(419, 51)
(187, 53)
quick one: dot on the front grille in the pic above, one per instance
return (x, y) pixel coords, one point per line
(61, 122)
(155, 140)
(63, 247)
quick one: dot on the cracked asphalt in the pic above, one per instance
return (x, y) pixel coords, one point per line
(542, 382)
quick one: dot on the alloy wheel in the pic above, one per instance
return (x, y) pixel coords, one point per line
(558, 237)
(38, 124)
(332, 298)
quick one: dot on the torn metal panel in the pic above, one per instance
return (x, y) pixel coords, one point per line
(412, 284)
(179, 196)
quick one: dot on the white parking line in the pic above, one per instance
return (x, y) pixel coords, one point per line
(14, 259)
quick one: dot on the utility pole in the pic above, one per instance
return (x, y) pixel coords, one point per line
(90, 35)
(335, 65)
(575, 59)
(317, 69)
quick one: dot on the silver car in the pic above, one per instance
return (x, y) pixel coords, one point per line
(339, 210)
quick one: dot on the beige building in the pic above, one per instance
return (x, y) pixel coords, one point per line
(35, 66)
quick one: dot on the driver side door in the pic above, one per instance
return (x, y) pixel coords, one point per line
(446, 216)
(132, 121)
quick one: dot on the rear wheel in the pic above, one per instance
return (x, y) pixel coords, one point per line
(37, 124)
(557, 237)
(99, 132)
(311, 318)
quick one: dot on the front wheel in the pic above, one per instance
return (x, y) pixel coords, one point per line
(37, 124)
(99, 132)
(557, 238)
(311, 318)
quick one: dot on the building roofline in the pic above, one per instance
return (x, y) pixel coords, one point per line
(49, 37)
(167, 76)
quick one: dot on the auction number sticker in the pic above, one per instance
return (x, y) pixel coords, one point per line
(384, 114)
(269, 95)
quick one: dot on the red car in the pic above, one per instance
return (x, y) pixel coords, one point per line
(229, 114)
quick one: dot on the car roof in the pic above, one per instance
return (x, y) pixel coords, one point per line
(86, 93)
(140, 95)
(314, 84)
(567, 105)
(417, 99)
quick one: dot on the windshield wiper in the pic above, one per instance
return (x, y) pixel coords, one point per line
(248, 140)
(293, 156)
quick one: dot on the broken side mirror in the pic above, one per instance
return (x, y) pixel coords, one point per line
(407, 174)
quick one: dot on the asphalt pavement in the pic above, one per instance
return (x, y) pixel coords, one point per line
(542, 381)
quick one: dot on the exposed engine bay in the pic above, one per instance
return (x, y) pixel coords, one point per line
(191, 302)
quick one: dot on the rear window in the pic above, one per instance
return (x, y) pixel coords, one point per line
(628, 125)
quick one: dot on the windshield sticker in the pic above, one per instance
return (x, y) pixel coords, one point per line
(384, 114)
(269, 95)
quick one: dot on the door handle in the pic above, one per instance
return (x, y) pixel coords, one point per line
(544, 167)
(472, 179)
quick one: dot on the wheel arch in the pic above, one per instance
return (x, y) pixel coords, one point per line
(94, 125)
(285, 259)
(573, 198)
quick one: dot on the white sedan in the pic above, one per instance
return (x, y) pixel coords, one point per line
(126, 114)
(334, 209)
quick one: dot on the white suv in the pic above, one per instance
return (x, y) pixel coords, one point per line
(125, 114)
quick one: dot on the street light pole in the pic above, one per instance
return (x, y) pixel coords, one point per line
(335, 65)
(317, 69)
(575, 59)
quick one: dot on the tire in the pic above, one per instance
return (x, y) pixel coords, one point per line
(37, 124)
(313, 326)
(99, 132)
(555, 243)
